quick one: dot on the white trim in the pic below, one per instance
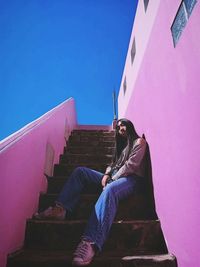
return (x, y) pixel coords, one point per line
(13, 138)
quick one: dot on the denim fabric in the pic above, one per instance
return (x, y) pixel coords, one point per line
(103, 214)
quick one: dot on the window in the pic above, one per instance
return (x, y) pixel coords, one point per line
(133, 51)
(146, 2)
(181, 18)
(124, 85)
(189, 5)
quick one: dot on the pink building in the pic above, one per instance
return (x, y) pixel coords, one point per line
(160, 94)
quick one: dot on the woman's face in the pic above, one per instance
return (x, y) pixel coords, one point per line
(121, 129)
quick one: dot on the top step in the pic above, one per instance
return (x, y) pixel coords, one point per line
(94, 138)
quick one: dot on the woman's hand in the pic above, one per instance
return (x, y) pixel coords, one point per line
(104, 180)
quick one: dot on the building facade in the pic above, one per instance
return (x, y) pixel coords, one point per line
(160, 93)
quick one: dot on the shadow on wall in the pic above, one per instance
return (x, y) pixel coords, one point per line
(148, 186)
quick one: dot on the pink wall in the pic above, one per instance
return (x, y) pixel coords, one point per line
(163, 101)
(23, 159)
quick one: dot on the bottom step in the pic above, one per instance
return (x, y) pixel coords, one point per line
(44, 258)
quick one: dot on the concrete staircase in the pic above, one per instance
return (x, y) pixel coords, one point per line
(136, 238)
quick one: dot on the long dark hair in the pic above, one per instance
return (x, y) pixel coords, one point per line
(123, 145)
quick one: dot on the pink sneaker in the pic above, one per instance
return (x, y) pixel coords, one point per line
(84, 253)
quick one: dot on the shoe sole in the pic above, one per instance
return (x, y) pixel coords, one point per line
(74, 263)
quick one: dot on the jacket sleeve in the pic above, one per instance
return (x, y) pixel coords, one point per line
(133, 164)
(108, 170)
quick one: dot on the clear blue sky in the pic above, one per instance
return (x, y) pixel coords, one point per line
(52, 50)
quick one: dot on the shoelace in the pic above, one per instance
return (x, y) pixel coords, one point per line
(82, 249)
(56, 209)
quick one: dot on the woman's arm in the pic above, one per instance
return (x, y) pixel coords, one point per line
(133, 164)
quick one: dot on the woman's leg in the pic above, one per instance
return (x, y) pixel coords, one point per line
(103, 214)
(80, 179)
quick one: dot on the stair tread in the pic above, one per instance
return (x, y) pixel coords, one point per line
(63, 256)
(86, 154)
(89, 149)
(66, 169)
(92, 131)
(92, 194)
(83, 194)
(134, 236)
(63, 253)
(137, 208)
(127, 222)
(91, 142)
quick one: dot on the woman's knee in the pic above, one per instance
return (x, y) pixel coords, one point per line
(79, 170)
(119, 189)
(110, 196)
(78, 173)
(82, 174)
(109, 191)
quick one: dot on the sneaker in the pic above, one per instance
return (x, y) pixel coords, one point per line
(53, 213)
(84, 253)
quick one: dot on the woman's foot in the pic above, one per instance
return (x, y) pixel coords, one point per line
(84, 253)
(52, 213)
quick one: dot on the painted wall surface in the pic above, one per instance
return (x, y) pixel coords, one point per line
(163, 101)
(23, 159)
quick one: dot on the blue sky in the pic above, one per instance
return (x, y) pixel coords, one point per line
(52, 50)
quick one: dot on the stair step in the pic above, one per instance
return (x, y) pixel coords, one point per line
(55, 184)
(95, 150)
(90, 143)
(45, 258)
(93, 133)
(89, 138)
(138, 207)
(85, 159)
(135, 207)
(135, 237)
(66, 169)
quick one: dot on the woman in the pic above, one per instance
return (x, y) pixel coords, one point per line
(118, 182)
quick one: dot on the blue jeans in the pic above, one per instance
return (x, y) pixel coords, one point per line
(103, 214)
